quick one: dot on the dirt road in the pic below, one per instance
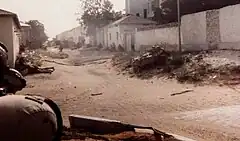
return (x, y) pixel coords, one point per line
(96, 89)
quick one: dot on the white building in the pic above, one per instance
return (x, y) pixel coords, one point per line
(143, 8)
(122, 32)
(75, 35)
(10, 34)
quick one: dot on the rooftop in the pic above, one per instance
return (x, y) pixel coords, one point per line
(4, 13)
(131, 19)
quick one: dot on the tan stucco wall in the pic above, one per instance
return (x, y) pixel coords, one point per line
(6, 36)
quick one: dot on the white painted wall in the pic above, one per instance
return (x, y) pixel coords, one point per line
(112, 36)
(194, 31)
(193, 28)
(156, 36)
(9, 38)
(230, 23)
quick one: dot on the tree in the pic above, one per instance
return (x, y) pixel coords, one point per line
(168, 11)
(37, 31)
(97, 13)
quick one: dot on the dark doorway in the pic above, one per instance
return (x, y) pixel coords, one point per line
(145, 13)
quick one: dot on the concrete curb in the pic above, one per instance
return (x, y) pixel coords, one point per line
(105, 126)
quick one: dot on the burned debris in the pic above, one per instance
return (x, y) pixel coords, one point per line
(189, 67)
(30, 62)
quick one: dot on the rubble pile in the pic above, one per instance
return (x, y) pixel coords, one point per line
(29, 62)
(54, 55)
(185, 67)
(122, 61)
(157, 56)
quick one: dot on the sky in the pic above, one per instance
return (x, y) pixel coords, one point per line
(56, 15)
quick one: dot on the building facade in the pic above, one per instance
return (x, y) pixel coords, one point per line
(75, 35)
(142, 8)
(25, 34)
(10, 34)
(121, 33)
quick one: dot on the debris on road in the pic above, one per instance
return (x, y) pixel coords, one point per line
(30, 62)
(97, 94)
(183, 92)
(192, 67)
(53, 54)
(55, 62)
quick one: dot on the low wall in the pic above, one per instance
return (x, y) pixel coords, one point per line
(148, 38)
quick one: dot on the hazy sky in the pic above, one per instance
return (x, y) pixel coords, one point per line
(57, 15)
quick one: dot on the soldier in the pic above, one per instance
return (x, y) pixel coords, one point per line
(10, 79)
(25, 118)
(29, 118)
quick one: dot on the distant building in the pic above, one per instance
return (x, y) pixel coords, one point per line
(121, 32)
(141, 8)
(75, 35)
(25, 34)
(10, 34)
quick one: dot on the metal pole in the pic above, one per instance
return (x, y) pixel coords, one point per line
(179, 26)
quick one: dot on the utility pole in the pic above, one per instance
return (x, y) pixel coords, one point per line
(179, 27)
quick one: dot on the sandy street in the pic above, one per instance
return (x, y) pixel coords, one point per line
(207, 113)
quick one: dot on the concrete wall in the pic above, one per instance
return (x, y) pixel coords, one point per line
(213, 29)
(6, 36)
(147, 38)
(194, 28)
(230, 27)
